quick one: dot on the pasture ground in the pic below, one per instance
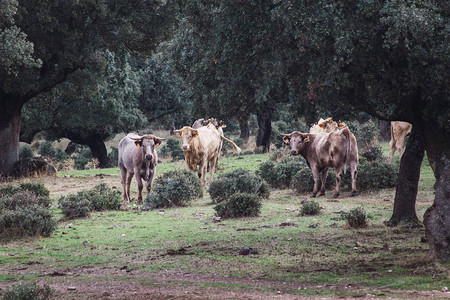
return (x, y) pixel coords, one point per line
(180, 253)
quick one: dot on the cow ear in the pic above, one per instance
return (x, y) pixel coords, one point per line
(306, 139)
(194, 133)
(287, 140)
(138, 143)
(158, 141)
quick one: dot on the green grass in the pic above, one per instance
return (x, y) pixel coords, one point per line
(294, 259)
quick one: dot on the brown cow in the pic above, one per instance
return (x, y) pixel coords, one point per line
(326, 150)
(327, 125)
(137, 156)
(218, 124)
(201, 146)
(399, 130)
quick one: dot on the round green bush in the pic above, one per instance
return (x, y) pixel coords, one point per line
(378, 174)
(356, 218)
(239, 205)
(372, 153)
(237, 181)
(174, 188)
(26, 194)
(103, 198)
(46, 149)
(303, 181)
(75, 205)
(279, 175)
(113, 156)
(31, 220)
(29, 291)
(310, 209)
(172, 148)
(25, 152)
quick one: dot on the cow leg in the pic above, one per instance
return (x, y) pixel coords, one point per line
(338, 172)
(123, 180)
(316, 181)
(353, 173)
(323, 178)
(391, 150)
(128, 185)
(212, 168)
(140, 187)
(148, 184)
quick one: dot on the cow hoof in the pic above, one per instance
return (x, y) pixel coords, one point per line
(139, 202)
(336, 195)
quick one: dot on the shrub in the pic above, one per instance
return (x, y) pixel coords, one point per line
(103, 198)
(37, 188)
(310, 209)
(239, 205)
(46, 149)
(25, 152)
(100, 198)
(377, 174)
(280, 174)
(172, 148)
(356, 218)
(238, 181)
(372, 153)
(29, 291)
(174, 188)
(366, 133)
(21, 214)
(26, 194)
(75, 205)
(303, 181)
(60, 155)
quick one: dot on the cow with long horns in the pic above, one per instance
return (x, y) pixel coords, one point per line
(138, 157)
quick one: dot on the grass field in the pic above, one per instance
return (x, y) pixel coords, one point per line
(180, 253)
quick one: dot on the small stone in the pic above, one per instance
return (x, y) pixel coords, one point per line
(71, 288)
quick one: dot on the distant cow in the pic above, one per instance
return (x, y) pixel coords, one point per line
(399, 130)
(218, 124)
(201, 146)
(326, 150)
(327, 125)
(137, 156)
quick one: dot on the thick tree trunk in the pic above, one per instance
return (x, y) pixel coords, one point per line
(98, 149)
(385, 130)
(245, 130)
(408, 180)
(437, 217)
(9, 143)
(264, 128)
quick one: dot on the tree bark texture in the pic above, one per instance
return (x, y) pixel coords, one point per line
(9, 143)
(408, 180)
(98, 149)
(264, 128)
(385, 130)
(437, 217)
(245, 130)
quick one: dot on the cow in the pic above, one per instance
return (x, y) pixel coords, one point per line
(399, 130)
(326, 150)
(138, 157)
(200, 147)
(327, 125)
(218, 124)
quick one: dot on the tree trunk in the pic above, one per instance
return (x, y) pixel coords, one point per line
(245, 130)
(437, 217)
(264, 128)
(408, 180)
(98, 149)
(385, 130)
(9, 143)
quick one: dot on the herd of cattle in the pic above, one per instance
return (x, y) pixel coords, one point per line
(329, 144)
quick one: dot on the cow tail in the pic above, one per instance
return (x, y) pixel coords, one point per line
(232, 143)
(346, 132)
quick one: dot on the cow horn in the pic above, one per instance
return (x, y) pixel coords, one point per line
(136, 138)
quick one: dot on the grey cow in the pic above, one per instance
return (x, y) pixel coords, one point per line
(138, 157)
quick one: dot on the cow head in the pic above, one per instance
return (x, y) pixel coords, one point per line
(296, 140)
(148, 143)
(187, 134)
